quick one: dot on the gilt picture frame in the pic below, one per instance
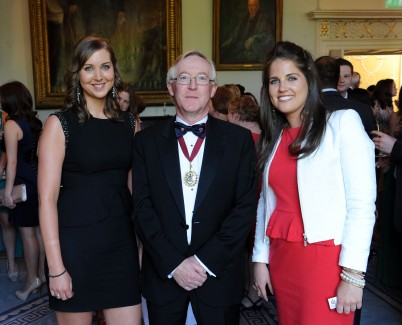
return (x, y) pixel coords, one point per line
(244, 31)
(145, 35)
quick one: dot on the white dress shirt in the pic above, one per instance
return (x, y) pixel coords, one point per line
(190, 193)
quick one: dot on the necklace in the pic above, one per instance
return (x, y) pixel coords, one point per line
(190, 178)
(250, 125)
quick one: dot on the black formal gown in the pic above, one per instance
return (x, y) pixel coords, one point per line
(97, 240)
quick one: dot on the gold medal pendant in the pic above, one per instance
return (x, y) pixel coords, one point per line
(190, 178)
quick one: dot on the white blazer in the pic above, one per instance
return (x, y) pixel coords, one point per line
(337, 190)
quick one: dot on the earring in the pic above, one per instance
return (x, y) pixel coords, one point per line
(273, 113)
(78, 95)
(114, 93)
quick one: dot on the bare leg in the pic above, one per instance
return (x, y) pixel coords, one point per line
(31, 253)
(8, 232)
(74, 318)
(130, 315)
(41, 266)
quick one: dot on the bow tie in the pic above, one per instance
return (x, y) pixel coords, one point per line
(198, 129)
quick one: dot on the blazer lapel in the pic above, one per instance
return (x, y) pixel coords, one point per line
(169, 159)
(214, 148)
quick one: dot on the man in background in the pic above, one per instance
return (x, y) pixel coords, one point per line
(330, 73)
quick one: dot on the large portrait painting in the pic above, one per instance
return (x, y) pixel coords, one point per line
(145, 35)
(244, 31)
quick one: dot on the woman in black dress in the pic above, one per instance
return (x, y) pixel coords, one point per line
(21, 132)
(84, 198)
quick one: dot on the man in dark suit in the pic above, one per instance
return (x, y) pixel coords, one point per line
(393, 147)
(329, 71)
(194, 203)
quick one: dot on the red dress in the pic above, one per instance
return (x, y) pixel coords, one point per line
(303, 277)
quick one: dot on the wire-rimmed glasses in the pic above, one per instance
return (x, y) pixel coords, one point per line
(200, 79)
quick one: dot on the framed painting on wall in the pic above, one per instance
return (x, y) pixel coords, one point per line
(244, 31)
(145, 35)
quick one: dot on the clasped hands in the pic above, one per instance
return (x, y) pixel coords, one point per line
(190, 274)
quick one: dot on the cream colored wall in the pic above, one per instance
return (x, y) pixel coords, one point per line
(15, 47)
(15, 44)
(373, 68)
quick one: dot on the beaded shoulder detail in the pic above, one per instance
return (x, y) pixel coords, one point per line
(132, 121)
(64, 125)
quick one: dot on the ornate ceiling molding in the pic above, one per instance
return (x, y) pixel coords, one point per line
(354, 24)
(356, 14)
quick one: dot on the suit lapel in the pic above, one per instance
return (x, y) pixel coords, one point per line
(169, 159)
(214, 148)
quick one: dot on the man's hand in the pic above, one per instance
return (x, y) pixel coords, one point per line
(383, 141)
(190, 274)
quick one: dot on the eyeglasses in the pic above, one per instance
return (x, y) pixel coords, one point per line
(200, 79)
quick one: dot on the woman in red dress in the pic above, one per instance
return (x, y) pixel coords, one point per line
(316, 211)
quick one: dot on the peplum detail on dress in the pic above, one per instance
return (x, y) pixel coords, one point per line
(286, 221)
(285, 225)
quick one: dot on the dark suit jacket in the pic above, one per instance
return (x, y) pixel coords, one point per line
(396, 157)
(224, 210)
(333, 100)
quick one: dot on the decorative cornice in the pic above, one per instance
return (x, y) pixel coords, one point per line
(355, 14)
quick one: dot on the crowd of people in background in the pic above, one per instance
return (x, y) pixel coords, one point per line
(233, 200)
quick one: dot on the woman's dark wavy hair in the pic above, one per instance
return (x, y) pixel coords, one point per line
(16, 101)
(82, 51)
(313, 113)
(383, 92)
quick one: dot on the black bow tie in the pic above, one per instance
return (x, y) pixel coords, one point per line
(198, 129)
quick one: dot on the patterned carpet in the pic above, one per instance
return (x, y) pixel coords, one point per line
(264, 315)
(35, 310)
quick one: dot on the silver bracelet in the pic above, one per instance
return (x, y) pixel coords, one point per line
(360, 283)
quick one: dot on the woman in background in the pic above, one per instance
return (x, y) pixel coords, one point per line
(316, 211)
(8, 230)
(21, 133)
(127, 101)
(244, 111)
(382, 103)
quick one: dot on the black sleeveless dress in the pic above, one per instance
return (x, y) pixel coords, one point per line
(97, 240)
(25, 214)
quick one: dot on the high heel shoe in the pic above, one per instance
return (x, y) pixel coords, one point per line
(13, 276)
(23, 295)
